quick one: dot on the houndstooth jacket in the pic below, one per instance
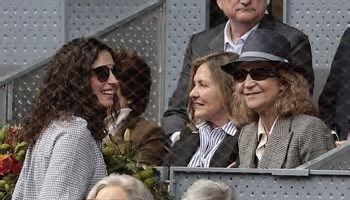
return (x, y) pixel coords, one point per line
(65, 163)
(293, 141)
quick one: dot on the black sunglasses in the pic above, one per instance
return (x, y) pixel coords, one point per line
(102, 72)
(257, 74)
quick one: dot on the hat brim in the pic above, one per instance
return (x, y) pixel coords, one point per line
(231, 67)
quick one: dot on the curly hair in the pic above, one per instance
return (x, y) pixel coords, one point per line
(294, 98)
(134, 79)
(224, 80)
(66, 90)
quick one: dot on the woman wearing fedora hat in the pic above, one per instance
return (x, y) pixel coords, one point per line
(272, 100)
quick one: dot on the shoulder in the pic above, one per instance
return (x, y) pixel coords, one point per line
(251, 128)
(347, 32)
(147, 125)
(289, 32)
(309, 125)
(76, 126)
(210, 33)
(72, 131)
(145, 129)
(307, 119)
(188, 137)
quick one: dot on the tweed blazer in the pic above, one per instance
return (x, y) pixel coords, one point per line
(209, 41)
(145, 136)
(293, 142)
(64, 163)
(334, 104)
(183, 150)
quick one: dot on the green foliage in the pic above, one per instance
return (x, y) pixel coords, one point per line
(12, 154)
(125, 159)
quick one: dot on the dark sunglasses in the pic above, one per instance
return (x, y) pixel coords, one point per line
(257, 74)
(102, 72)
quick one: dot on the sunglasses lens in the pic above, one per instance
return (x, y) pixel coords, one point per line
(116, 71)
(102, 73)
(240, 75)
(260, 74)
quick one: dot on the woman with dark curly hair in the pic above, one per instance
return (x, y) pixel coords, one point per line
(135, 82)
(66, 125)
(272, 100)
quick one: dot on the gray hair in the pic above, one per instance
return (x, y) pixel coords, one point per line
(208, 190)
(133, 187)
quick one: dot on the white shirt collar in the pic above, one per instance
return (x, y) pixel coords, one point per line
(261, 129)
(111, 124)
(123, 113)
(229, 128)
(229, 44)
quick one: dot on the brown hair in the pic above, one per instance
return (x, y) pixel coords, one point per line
(224, 80)
(294, 98)
(134, 79)
(66, 90)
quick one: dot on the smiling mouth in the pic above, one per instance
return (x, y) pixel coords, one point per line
(196, 104)
(252, 93)
(108, 92)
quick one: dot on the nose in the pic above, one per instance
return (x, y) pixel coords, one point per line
(112, 79)
(193, 93)
(245, 2)
(249, 82)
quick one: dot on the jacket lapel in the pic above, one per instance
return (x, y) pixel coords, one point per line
(216, 44)
(276, 148)
(226, 153)
(248, 142)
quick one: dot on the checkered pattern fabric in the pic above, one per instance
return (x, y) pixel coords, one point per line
(293, 142)
(65, 163)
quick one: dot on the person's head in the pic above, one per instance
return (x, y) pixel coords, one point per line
(78, 82)
(211, 89)
(208, 190)
(266, 81)
(134, 81)
(119, 187)
(243, 11)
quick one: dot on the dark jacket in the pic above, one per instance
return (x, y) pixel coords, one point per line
(145, 136)
(183, 150)
(334, 101)
(209, 41)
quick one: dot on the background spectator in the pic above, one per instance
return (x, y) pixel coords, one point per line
(208, 190)
(134, 77)
(121, 187)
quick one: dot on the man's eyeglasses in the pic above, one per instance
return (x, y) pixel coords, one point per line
(102, 72)
(257, 74)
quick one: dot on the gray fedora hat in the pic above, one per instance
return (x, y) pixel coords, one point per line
(262, 46)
